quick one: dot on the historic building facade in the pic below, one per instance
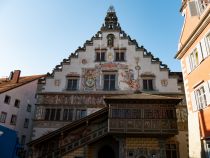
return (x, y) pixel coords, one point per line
(101, 88)
(17, 106)
(194, 53)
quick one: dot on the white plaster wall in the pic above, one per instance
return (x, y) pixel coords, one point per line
(26, 95)
(194, 135)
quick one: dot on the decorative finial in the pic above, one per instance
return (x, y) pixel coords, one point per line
(111, 9)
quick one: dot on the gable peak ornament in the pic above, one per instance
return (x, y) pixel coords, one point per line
(111, 9)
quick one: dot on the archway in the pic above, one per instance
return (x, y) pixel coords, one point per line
(106, 152)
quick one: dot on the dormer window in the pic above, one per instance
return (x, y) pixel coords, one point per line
(110, 40)
(119, 56)
(100, 56)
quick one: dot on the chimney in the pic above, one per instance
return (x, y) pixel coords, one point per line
(15, 76)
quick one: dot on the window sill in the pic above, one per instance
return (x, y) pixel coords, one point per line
(100, 60)
(71, 90)
(120, 60)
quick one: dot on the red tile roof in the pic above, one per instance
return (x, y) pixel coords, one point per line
(6, 85)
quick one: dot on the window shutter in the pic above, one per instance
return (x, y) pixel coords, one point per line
(193, 9)
(207, 91)
(188, 64)
(200, 57)
(204, 48)
(193, 101)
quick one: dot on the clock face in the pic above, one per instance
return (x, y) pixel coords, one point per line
(90, 82)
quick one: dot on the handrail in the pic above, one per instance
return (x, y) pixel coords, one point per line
(77, 143)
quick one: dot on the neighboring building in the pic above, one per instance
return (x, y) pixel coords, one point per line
(91, 105)
(17, 104)
(9, 145)
(194, 53)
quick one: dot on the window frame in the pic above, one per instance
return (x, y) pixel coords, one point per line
(109, 81)
(120, 56)
(208, 148)
(80, 113)
(149, 82)
(52, 114)
(68, 115)
(194, 59)
(23, 140)
(17, 103)
(26, 123)
(201, 99)
(72, 87)
(13, 119)
(7, 99)
(199, 96)
(201, 6)
(207, 41)
(29, 107)
(3, 117)
(100, 56)
(170, 150)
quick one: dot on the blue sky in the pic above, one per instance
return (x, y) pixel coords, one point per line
(36, 35)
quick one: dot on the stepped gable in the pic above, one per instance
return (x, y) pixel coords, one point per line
(110, 24)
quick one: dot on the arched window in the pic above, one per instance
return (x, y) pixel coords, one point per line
(110, 40)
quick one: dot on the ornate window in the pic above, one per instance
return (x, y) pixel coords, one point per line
(119, 56)
(110, 40)
(100, 56)
(109, 82)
